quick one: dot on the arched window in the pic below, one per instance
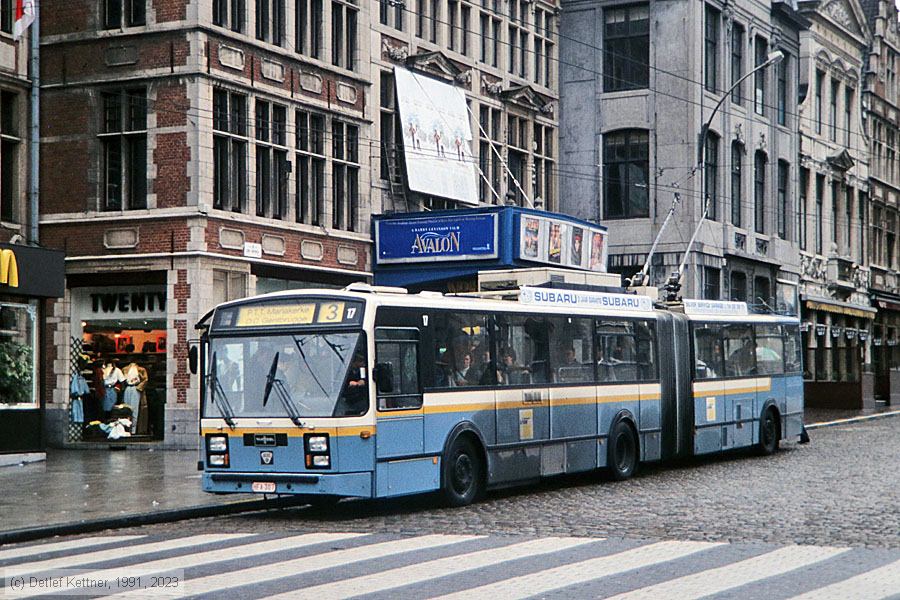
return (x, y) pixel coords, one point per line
(626, 164)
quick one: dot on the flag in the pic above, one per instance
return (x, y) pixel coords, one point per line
(24, 17)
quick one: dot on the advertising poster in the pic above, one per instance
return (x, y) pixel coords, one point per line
(554, 243)
(531, 238)
(437, 137)
(433, 239)
(575, 248)
(598, 251)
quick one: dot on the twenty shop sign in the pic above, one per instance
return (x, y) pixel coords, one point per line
(120, 302)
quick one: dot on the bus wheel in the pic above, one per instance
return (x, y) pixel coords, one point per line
(622, 458)
(769, 433)
(462, 473)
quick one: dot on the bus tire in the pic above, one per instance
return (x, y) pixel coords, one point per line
(462, 473)
(622, 454)
(769, 433)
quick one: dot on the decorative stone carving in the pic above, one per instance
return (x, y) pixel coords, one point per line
(310, 82)
(762, 247)
(739, 132)
(272, 70)
(492, 88)
(347, 255)
(740, 241)
(117, 56)
(464, 78)
(346, 93)
(397, 53)
(763, 143)
(838, 11)
(121, 238)
(233, 58)
(273, 244)
(311, 250)
(232, 239)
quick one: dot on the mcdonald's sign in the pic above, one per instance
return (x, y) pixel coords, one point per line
(9, 269)
(31, 272)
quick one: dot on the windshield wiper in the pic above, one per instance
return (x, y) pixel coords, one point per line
(283, 394)
(216, 389)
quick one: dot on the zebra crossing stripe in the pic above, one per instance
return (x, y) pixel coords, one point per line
(34, 550)
(71, 562)
(877, 583)
(433, 569)
(721, 579)
(547, 580)
(328, 560)
(214, 556)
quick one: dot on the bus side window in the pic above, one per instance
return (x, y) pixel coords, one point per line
(769, 350)
(708, 351)
(396, 373)
(793, 350)
(571, 349)
(740, 350)
(462, 354)
(646, 350)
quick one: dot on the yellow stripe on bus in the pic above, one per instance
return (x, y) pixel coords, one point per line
(290, 432)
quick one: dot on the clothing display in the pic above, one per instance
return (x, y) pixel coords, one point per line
(78, 390)
(135, 382)
(112, 376)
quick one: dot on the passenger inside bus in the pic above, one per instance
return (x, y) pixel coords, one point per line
(512, 373)
(355, 399)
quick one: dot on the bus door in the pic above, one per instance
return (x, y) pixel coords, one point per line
(741, 407)
(708, 387)
(400, 418)
(522, 396)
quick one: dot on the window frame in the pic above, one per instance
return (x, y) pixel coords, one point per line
(626, 53)
(414, 342)
(123, 139)
(630, 208)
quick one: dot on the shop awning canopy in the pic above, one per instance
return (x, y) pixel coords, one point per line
(838, 308)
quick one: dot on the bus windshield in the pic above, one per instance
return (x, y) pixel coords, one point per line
(321, 374)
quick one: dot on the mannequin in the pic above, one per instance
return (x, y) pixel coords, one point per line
(112, 375)
(136, 381)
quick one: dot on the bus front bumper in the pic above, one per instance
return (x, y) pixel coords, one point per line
(328, 484)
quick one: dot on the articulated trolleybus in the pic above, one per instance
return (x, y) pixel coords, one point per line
(374, 392)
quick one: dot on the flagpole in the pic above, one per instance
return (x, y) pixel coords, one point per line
(35, 141)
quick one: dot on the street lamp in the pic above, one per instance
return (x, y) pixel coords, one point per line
(673, 285)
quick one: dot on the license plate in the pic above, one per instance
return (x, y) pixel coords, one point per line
(263, 487)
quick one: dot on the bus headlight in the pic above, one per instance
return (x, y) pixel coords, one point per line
(318, 443)
(218, 443)
(218, 460)
(321, 461)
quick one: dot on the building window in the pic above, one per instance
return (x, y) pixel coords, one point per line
(270, 21)
(271, 160)
(310, 133)
(543, 48)
(345, 174)
(848, 216)
(860, 240)
(310, 15)
(711, 285)
(489, 136)
(737, 62)
(517, 156)
(711, 175)
(465, 17)
(229, 13)
(385, 10)
(877, 236)
(9, 156)
(712, 49)
(544, 166)
(119, 14)
(738, 286)
(343, 35)
(890, 239)
(835, 198)
(229, 151)
(228, 286)
(626, 45)
(802, 210)
(737, 183)
(820, 193)
(7, 15)
(832, 115)
(820, 79)
(124, 149)
(452, 22)
(781, 210)
(759, 103)
(848, 113)
(18, 343)
(626, 164)
(759, 192)
(782, 90)
(390, 126)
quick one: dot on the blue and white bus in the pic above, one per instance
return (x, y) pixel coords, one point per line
(373, 392)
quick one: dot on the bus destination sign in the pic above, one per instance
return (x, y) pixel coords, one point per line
(291, 314)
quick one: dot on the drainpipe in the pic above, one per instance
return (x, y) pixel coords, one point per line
(35, 134)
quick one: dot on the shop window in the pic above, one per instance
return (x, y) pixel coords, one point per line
(626, 164)
(626, 45)
(228, 285)
(124, 13)
(230, 14)
(123, 139)
(229, 151)
(308, 29)
(9, 156)
(18, 339)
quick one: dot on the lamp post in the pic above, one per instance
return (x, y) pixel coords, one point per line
(673, 285)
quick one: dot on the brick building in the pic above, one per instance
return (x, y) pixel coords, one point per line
(194, 151)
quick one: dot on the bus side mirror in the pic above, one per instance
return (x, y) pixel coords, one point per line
(193, 356)
(384, 378)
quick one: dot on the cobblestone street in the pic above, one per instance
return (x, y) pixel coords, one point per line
(840, 490)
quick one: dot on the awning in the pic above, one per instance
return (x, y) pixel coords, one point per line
(886, 302)
(839, 308)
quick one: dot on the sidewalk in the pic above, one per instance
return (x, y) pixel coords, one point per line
(88, 490)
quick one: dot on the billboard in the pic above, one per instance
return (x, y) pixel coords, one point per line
(434, 239)
(437, 138)
(562, 243)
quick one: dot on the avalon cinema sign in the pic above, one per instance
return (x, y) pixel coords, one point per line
(31, 272)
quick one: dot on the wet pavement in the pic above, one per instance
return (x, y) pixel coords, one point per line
(83, 485)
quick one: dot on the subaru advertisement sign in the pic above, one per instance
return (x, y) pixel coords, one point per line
(435, 239)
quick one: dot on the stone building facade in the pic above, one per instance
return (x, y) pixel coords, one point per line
(638, 83)
(882, 122)
(833, 217)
